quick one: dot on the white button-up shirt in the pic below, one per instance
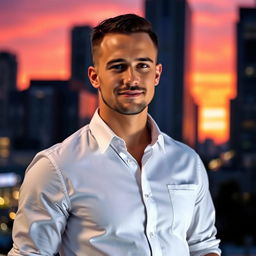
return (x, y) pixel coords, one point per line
(87, 196)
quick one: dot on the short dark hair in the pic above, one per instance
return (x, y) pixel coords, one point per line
(124, 24)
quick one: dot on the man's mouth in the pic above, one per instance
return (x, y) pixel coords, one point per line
(131, 93)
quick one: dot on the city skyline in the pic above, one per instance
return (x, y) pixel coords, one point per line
(40, 36)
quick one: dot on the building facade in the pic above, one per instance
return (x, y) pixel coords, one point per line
(45, 114)
(8, 83)
(173, 107)
(243, 108)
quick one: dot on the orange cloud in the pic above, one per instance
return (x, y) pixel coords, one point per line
(213, 19)
(36, 65)
(222, 4)
(84, 14)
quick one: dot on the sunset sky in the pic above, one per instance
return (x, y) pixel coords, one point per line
(39, 33)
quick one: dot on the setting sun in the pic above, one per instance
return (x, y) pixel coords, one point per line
(213, 92)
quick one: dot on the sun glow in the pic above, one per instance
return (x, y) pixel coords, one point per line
(213, 92)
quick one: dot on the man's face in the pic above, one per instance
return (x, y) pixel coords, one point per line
(125, 72)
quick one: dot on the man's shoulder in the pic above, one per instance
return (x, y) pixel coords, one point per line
(77, 144)
(177, 146)
(185, 158)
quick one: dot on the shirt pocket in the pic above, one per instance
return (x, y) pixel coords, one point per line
(182, 198)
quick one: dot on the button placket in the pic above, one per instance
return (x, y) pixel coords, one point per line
(123, 156)
(129, 161)
(147, 195)
(148, 203)
(151, 210)
(147, 155)
(151, 234)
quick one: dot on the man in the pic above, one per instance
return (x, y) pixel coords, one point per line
(118, 186)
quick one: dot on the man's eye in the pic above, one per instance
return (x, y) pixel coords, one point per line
(118, 67)
(143, 65)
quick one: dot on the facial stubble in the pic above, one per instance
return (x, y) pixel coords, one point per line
(119, 108)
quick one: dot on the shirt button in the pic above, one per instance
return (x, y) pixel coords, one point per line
(151, 234)
(147, 195)
(123, 155)
(131, 163)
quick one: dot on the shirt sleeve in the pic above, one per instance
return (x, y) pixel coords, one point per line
(201, 235)
(42, 212)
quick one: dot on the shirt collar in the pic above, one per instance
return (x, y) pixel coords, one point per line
(104, 135)
(156, 134)
(101, 131)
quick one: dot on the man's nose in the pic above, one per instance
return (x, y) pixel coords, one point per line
(130, 77)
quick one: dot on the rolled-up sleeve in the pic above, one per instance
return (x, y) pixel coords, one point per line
(42, 212)
(201, 235)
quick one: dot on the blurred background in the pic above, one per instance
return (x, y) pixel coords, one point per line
(206, 98)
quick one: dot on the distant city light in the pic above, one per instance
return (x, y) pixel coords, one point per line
(1, 201)
(15, 194)
(4, 147)
(215, 164)
(249, 71)
(4, 153)
(3, 226)
(40, 94)
(12, 215)
(246, 196)
(9, 179)
(4, 142)
(6, 200)
(226, 156)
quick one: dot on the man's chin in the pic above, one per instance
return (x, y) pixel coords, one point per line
(126, 109)
(129, 111)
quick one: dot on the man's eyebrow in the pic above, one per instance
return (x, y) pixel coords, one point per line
(115, 61)
(145, 59)
(123, 60)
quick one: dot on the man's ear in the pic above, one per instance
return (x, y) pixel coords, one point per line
(93, 76)
(158, 73)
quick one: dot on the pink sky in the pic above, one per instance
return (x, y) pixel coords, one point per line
(39, 33)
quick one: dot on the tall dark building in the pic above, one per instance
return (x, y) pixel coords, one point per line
(171, 21)
(49, 114)
(80, 61)
(81, 57)
(8, 83)
(243, 108)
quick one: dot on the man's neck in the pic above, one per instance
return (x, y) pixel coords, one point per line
(131, 128)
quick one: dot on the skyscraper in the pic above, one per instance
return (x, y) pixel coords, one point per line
(80, 61)
(80, 57)
(243, 108)
(171, 22)
(8, 80)
(49, 114)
